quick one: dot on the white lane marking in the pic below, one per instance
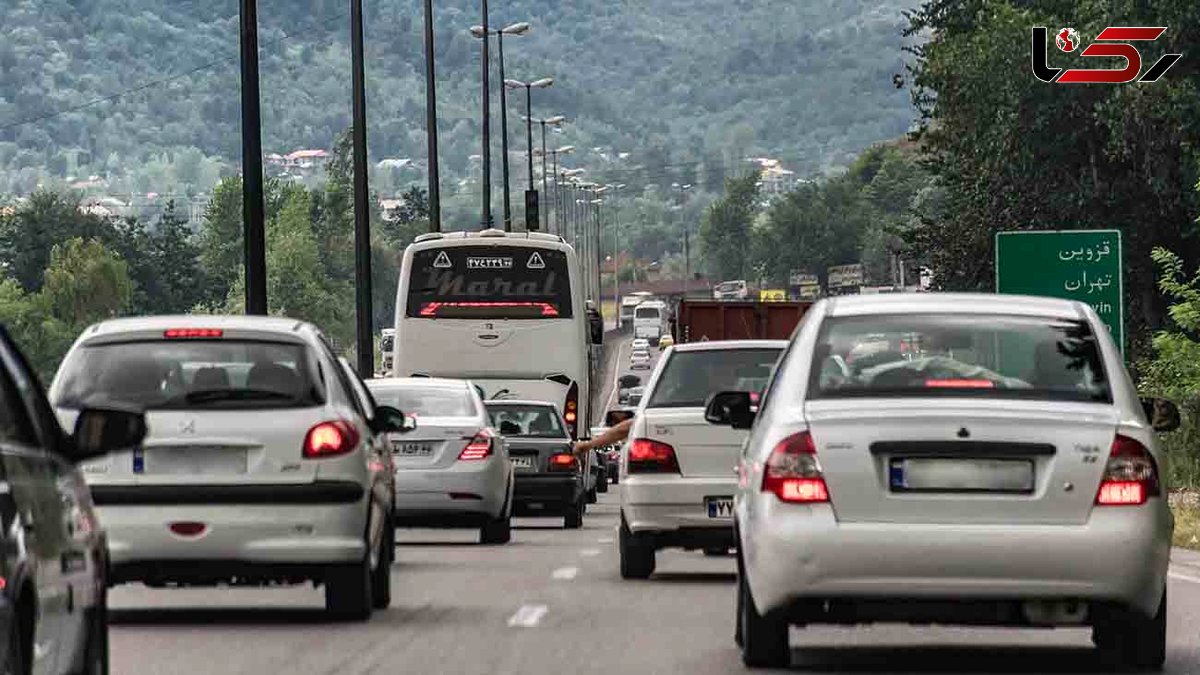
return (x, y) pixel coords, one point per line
(528, 616)
(612, 393)
(589, 552)
(605, 540)
(565, 573)
(1184, 577)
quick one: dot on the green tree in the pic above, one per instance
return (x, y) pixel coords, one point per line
(29, 234)
(725, 229)
(221, 252)
(86, 282)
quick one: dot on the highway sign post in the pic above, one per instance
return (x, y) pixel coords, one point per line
(1083, 265)
(844, 279)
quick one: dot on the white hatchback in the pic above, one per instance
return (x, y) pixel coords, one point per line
(679, 470)
(265, 459)
(952, 459)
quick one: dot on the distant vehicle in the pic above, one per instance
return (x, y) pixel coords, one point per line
(701, 320)
(628, 303)
(54, 601)
(387, 343)
(503, 310)
(453, 451)
(673, 457)
(665, 341)
(624, 396)
(731, 290)
(640, 360)
(252, 422)
(629, 380)
(650, 320)
(882, 492)
(635, 397)
(549, 479)
(611, 458)
(640, 344)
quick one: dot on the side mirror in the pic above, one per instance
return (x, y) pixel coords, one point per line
(508, 428)
(389, 420)
(1163, 414)
(99, 431)
(614, 417)
(730, 408)
(596, 326)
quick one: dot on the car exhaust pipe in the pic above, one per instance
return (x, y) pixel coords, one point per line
(1055, 612)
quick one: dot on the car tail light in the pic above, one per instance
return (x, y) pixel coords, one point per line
(793, 473)
(330, 439)
(647, 456)
(563, 461)
(185, 333)
(571, 409)
(1130, 477)
(479, 448)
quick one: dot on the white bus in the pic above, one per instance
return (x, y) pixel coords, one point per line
(504, 310)
(650, 320)
(628, 303)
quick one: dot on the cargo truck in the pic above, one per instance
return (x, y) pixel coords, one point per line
(700, 320)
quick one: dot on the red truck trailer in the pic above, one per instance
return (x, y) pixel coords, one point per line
(699, 320)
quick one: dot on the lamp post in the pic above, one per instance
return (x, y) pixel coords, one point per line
(565, 150)
(431, 132)
(687, 260)
(516, 29)
(555, 121)
(486, 118)
(529, 87)
(616, 254)
(364, 342)
(253, 218)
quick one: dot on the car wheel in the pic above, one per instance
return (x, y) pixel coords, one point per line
(95, 647)
(602, 482)
(497, 531)
(381, 582)
(616, 478)
(764, 639)
(592, 497)
(573, 520)
(637, 554)
(348, 593)
(14, 656)
(1134, 640)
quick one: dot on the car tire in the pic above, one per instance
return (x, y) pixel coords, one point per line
(1134, 640)
(616, 478)
(95, 647)
(573, 519)
(498, 531)
(592, 497)
(764, 639)
(14, 656)
(637, 554)
(602, 482)
(381, 581)
(348, 594)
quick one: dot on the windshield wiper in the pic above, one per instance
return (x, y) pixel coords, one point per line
(210, 395)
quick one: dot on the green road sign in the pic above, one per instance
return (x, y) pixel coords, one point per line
(1083, 265)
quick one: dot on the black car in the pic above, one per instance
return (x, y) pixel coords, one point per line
(548, 479)
(53, 565)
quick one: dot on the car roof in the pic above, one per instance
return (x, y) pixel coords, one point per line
(417, 382)
(513, 401)
(723, 345)
(239, 325)
(958, 303)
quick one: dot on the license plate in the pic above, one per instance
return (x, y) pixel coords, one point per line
(719, 507)
(522, 462)
(961, 475)
(402, 449)
(193, 461)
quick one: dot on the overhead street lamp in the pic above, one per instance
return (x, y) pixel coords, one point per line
(687, 257)
(516, 29)
(564, 150)
(554, 121)
(431, 132)
(529, 87)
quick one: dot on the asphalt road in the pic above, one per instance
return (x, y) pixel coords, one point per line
(552, 602)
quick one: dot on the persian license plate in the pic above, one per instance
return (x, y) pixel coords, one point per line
(960, 475)
(719, 507)
(522, 462)
(194, 461)
(403, 449)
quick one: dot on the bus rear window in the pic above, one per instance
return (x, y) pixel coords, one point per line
(489, 282)
(646, 313)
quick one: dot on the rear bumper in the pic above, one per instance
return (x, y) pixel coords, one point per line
(795, 554)
(318, 492)
(546, 493)
(439, 498)
(659, 504)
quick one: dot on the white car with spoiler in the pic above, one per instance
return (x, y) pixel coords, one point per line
(264, 462)
(952, 459)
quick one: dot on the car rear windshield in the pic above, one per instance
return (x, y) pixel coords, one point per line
(489, 282)
(689, 378)
(190, 374)
(427, 401)
(532, 421)
(945, 355)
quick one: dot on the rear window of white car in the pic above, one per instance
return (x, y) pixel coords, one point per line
(427, 401)
(689, 378)
(190, 374)
(955, 355)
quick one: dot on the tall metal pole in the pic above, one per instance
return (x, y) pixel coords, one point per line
(487, 124)
(598, 256)
(544, 191)
(431, 131)
(557, 203)
(503, 130)
(364, 344)
(254, 238)
(529, 129)
(616, 253)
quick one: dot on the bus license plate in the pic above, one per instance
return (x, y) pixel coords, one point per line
(719, 507)
(412, 449)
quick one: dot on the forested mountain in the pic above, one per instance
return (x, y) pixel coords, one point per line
(683, 85)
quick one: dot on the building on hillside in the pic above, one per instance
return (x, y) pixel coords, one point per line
(390, 209)
(774, 180)
(305, 159)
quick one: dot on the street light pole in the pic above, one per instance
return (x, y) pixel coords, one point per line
(431, 132)
(687, 259)
(487, 124)
(544, 192)
(514, 29)
(530, 225)
(364, 344)
(253, 217)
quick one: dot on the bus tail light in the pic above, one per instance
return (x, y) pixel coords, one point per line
(1130, 477)
(571, 410)
(793, 473)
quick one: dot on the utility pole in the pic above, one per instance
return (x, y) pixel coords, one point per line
(431, 130)
(365, 343)
(253, 218)
(487, 125)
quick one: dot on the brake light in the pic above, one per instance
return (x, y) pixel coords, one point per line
(1130, 477)
(479, 448)
(961, 384)
(571, 409)
(647, 456)
(793, 473)
(330, 439)
(184, 333)
(431, 309)
(563, 461)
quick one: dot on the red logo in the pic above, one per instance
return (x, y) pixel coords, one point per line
(1112, 41)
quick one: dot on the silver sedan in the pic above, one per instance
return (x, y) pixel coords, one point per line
(453, 469)
(952, 459)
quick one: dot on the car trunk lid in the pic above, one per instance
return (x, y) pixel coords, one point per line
(702, 449)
